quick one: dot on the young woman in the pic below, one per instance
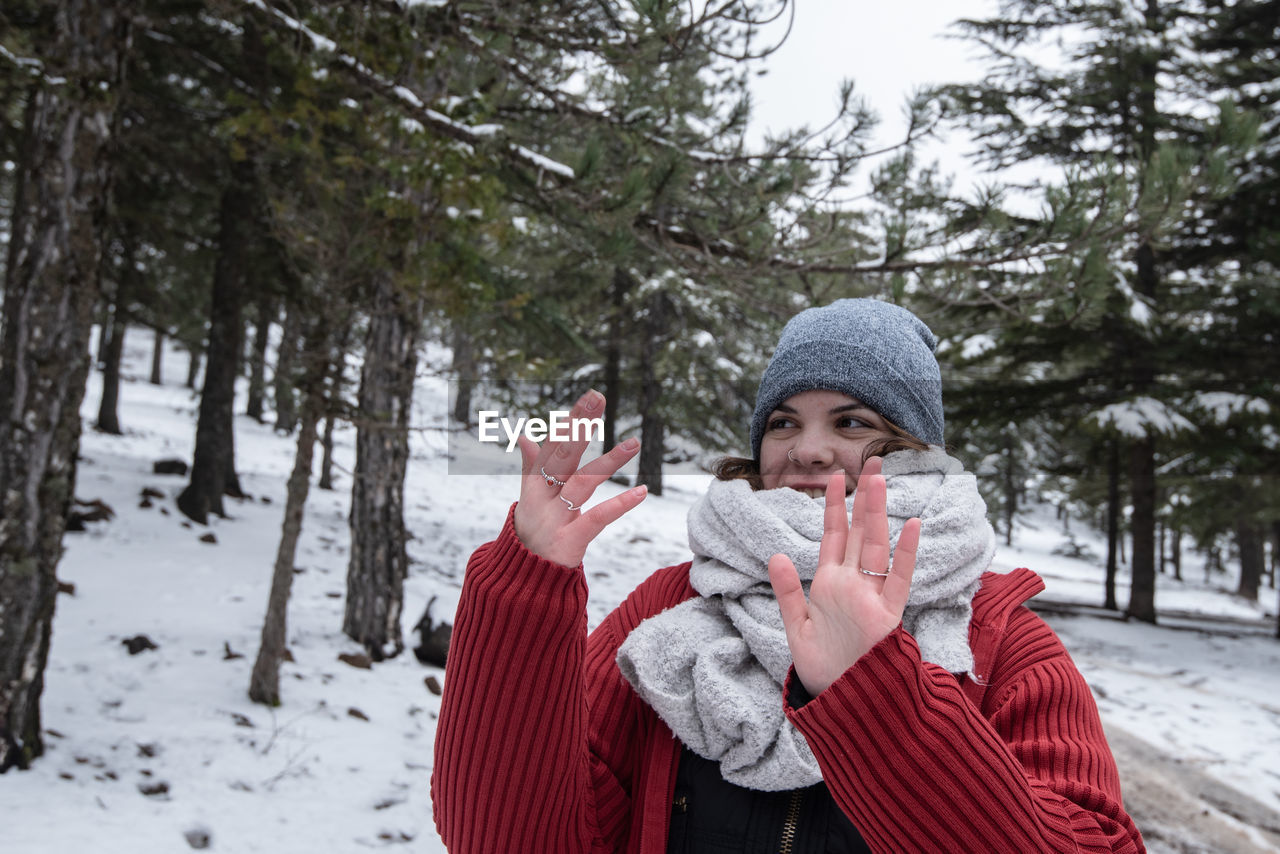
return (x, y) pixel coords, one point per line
(834, 671)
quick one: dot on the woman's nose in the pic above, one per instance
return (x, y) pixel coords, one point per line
(811, 450)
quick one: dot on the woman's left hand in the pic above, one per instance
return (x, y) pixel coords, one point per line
(848, 611)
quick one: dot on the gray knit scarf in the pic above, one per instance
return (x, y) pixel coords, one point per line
(712, 667)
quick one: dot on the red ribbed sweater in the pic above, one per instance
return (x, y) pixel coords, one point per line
(542, 746)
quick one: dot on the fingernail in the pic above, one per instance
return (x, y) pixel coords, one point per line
(640, 491)
(593, 400)
(631, 444)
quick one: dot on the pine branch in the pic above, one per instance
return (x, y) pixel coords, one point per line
(563, 103)
(477, 136)
(31, 66)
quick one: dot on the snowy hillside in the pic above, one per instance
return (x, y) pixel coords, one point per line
(162, 751)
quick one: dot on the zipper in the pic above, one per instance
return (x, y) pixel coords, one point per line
(792, 823)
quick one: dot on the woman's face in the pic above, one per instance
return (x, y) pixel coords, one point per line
(825, 431)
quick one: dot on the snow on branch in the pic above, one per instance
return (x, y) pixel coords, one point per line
(564, 102)
(492, 137)
(1139, 308)
(32, 66)
(1140, 418)
(1222, 405)
(405, 97)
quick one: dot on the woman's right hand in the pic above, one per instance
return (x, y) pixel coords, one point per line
(548, 519)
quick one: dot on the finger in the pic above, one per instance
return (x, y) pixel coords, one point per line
(897, 587)
(582, 485)
(528, 455)
(874, 551)
(532, 484)
(873, 465)
(560, 456)
(593, 521)
(857, 521)
(835, 524)
(790, 594)
(606, 466)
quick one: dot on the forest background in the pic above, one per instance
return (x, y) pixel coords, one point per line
(571, 195)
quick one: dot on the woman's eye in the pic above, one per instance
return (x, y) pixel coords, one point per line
(851, 423)
(780, 423)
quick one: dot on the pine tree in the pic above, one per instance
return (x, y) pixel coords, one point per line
(51, 281)
(1103, 115)
(1235, 247)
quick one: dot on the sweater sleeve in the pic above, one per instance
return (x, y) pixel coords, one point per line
(918, 768)
(513, 768)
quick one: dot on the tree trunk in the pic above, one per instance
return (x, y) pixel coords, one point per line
(326, 460)
(109, 407)
(618, 288)
(193, 366)
(264, 683)
(157, 354)
(464, 372)
(333, 403)
(379, 561)
(106, 325)
(652, 426)
(1252, 560)
(1275, 553)
(1175, 550)
(213, 465)
(1113, 523)
(286, 356)
(51, 284)
(1010, 492)
(1142, 465)
(258, 358)
(1142, 482)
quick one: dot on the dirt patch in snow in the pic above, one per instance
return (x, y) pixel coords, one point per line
(1182, 810)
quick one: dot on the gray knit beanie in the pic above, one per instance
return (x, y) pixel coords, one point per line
(879, 353)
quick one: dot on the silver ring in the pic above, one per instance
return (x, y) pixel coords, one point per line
(551, 481)
(793, 459)
(569, 503)
(876, 574)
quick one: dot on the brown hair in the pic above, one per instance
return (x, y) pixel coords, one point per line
(745, 468)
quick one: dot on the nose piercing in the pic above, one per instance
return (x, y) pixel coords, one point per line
(793, 459)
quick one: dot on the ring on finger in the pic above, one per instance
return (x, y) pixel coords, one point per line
(550, 479)
(884, 574)
(569, 503)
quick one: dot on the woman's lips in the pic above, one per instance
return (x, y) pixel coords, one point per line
(813, 490)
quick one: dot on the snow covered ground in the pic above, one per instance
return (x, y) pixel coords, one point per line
(162, 750)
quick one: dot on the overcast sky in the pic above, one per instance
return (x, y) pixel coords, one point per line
(886, 48)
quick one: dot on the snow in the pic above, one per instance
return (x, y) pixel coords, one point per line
(312, 775)
(976, 345)
(318, 41)
(1223, 405)
(21, 61)
(1140, 417)
(1139, 308)
(546, 163)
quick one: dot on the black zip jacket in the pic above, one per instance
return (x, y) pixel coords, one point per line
(711, 816)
